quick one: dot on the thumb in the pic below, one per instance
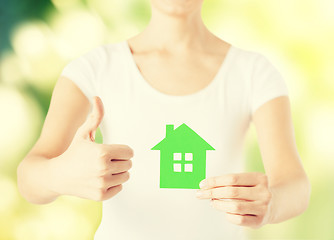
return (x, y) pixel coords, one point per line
(88, 128)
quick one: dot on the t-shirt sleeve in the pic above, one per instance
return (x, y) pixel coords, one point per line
(83, 72)
(267, 83)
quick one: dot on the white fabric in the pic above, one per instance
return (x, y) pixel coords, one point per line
(136, 114)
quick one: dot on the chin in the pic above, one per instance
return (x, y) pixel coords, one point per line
(177, 7)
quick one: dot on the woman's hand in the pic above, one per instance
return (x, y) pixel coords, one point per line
(245, 197)
(88, 169)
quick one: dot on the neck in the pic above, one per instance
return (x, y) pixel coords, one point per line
(176, 32)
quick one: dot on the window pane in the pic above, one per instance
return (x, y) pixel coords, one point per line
(177, 167)
(189, 156)
(177, 156)
(188, 167)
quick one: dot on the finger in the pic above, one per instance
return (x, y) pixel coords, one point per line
(88, 128)
(243, 193)
(110, 192)
(110, 180)
(242, 220)
(237, 207)
(119, 178)
(117, 151)
(119, 166)
(238, 179)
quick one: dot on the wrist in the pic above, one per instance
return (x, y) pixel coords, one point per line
(54, 181)
(33, 177)
(47, 181)
(271, 207)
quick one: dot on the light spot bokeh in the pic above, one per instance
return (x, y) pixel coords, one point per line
(297, 36)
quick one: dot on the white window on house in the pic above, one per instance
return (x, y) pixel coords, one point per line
(188, 167)
(188, 156)
(177, 167)
(177, 156)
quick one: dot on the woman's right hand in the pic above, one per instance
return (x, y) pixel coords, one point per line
(88, 169)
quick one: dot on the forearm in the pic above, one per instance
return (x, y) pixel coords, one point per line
(289, 198)
(34, 179)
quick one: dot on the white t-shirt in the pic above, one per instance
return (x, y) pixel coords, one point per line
(136, 114)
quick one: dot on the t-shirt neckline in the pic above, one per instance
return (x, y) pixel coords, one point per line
(188, 97)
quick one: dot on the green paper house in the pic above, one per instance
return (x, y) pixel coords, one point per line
(182, 158)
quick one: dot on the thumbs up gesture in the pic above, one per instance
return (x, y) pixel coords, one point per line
(88, 169)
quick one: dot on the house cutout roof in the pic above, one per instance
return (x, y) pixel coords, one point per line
(182, 138)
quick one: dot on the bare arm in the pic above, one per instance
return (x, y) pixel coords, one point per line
(256, 198)
(66, 160)
(287, 179)
(68, 110)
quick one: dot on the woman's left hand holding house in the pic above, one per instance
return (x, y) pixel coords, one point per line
(245, 197)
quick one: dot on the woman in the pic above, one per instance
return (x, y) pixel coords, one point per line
(174, 73)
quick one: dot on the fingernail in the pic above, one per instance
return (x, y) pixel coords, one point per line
(199, 193)
(202, 184)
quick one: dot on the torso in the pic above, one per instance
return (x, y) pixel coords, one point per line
(136, 115)
(192, 70)
(137, 112)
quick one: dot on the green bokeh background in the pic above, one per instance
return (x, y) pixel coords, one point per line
(39, 37)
